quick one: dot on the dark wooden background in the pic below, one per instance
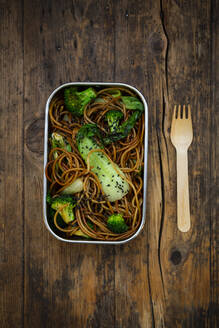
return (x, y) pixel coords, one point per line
(164, 278)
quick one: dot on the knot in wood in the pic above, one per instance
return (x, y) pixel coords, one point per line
(35, 136)
(176, 257)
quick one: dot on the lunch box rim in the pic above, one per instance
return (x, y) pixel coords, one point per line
(109, 84)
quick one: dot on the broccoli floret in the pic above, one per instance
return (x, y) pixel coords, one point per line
(124, 129)
(126, 126)
(49, 198)
(113, 184)
(113, 118)
(50, 216)
(132, 103)
(90, 131)
(67, 212)
(76, 101)
(116, 223)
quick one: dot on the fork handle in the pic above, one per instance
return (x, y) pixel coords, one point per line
(183, 210)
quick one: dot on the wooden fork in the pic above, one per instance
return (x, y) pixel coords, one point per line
(181, 137)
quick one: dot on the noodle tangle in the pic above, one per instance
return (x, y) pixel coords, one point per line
(66, 167)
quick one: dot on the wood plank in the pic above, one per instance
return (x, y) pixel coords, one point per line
(163, 278)
(65, 285)
(185, 258)
(11, 165)
(176, 63)
(138, 276)
(214, 156)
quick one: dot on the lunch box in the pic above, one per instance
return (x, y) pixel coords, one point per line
(97, 84)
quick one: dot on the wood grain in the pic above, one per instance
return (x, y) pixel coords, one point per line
(11, 165)
(66, 285)
(189, 81)
(213, 201)
(168, 50)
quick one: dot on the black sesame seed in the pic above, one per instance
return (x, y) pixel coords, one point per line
(108, 185)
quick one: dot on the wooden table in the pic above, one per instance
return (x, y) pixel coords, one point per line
(164, 278)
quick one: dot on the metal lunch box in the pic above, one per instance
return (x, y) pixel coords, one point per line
(99, 84)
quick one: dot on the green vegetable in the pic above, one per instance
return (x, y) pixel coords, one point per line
(114, 93)
(132, 103)
(113, 118)
(126, 126)
(124, 129)
(76, 101)
(113, 185)
(91, 131)
(50, 216)
(116, 223)
(67, 212)
(80, 233)
(76, 186)
(49, 198)
(58, 141)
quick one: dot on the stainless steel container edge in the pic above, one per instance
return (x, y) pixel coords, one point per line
(107, 84)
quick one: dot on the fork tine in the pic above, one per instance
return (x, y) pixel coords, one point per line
(179, 111)
(189, 112)
(174, 112)
(183, 112)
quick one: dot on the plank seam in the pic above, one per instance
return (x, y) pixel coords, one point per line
(167, 47)
(165, 78)
(23, 195)
(162, 212)
(149, 286)
(213, 262)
